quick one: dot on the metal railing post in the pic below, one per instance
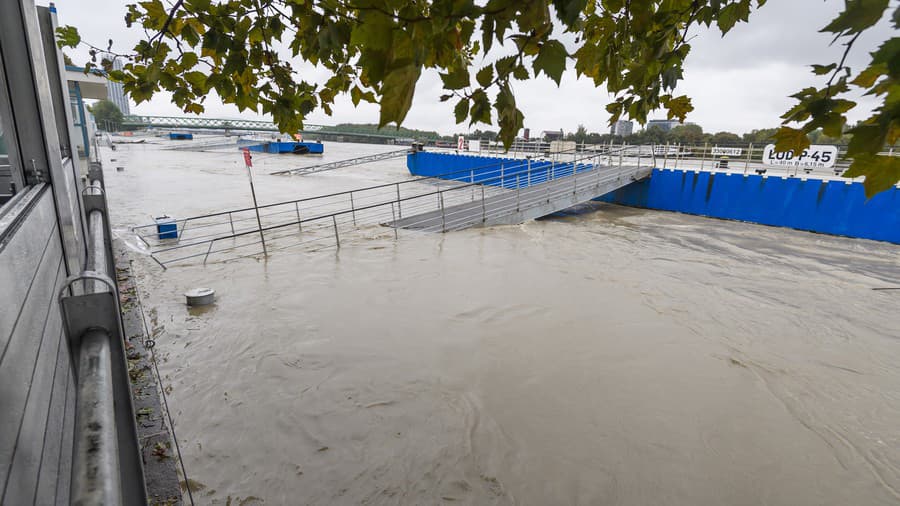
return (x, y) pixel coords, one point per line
(747, 161)
(231, 222)
(394, 220)
(703, 154)
(352, 209)
(529, 171)
(443, 216)
(666, 156)
(517, 192)
(483, 209)
(399, 210)
(677, 152)
(502, 177)
(337, 238)
(299, 221)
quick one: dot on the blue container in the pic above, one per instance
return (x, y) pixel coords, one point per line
(166, 228)
(175, 136)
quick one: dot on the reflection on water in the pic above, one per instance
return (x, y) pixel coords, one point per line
(619, 356)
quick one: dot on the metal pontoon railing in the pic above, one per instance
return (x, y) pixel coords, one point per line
(318, 220)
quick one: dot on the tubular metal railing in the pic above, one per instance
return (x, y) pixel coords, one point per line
(106, 463)
(321, 218)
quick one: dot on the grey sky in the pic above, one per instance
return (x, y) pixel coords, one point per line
(737, 83)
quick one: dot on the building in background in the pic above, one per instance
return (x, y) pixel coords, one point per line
(622, 128)
(553, 135)
(116, 92)
(81, 86)
(663, 124)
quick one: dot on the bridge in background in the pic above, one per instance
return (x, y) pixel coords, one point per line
(202, 123)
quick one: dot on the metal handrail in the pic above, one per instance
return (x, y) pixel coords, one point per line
(518, 163)
(533, 174)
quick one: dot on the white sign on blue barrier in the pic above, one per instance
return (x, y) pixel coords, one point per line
(720, 151)
(813, 156)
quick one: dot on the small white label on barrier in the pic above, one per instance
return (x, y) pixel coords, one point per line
(719, 151)
(813, 156)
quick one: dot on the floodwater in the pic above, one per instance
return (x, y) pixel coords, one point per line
(618, 356)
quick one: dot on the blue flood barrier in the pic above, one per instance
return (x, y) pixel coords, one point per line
(815, 205)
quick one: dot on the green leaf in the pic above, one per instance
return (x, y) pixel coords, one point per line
(568, 10)
(867, 140)
(461, 110)
(67, 36)
(397, 94)
(480, 112)
(456, 79)
(821, 70)
(881, 172)
(857, 16)
(731, 14)
(551, 60)
(679, 107)
(509, 117)
(867, 78)
(788, 139)
(485, 76)
(196, 79)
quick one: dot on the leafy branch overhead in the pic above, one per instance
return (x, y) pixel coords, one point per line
(247, 52)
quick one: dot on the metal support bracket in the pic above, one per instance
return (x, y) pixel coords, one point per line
(81, 313)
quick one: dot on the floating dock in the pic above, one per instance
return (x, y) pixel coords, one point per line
(297, 148)
(822, 204)
(178, 136)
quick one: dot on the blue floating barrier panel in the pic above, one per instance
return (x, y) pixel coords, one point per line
(297, 148)
(180, 136)
(166, 227)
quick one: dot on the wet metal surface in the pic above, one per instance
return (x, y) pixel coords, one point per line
(620, 356)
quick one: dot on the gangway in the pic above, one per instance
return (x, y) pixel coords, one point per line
(509, 192)
(302, 171)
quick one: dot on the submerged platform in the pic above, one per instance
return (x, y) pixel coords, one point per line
(297, 148)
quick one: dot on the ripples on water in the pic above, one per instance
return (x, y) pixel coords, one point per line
(617, 356)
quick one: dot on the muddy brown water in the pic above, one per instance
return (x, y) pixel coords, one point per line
(618, 356)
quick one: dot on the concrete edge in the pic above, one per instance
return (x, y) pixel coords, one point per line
(155, 439)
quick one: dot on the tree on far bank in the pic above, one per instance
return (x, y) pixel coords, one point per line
(724, 138)
(107, 115)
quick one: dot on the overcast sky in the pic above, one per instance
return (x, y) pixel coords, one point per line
(737, 83)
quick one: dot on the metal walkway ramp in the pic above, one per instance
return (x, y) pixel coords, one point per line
(508, 192)
(522, 203)
(343, 163)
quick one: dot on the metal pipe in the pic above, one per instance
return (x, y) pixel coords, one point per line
(97, 251)
(299, 221)
(95, 477)
(96, 458)
(399, 210)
